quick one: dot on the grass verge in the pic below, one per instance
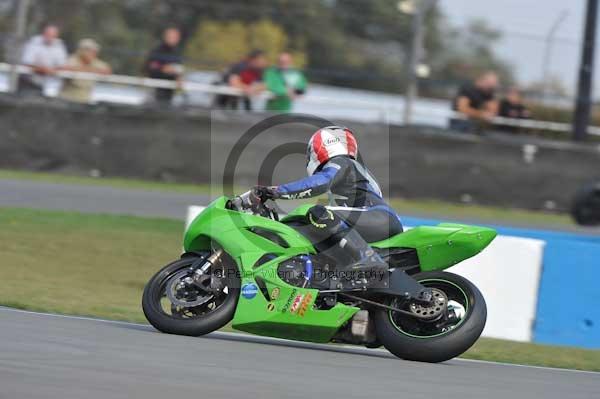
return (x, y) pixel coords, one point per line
(97, 265)
(427, 208)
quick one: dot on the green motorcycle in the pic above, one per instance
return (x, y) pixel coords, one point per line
(244, 265)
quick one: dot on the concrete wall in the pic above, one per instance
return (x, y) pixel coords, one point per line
(192, 146)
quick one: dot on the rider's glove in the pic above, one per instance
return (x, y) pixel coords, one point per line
(266, 192)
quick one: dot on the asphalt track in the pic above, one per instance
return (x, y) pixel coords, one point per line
(140, 202)
(48, 356)
(96, 199)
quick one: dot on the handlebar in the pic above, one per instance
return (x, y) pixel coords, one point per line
(253, 201)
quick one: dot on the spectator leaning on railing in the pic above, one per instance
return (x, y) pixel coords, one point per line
(85, 59)
(476, 102)
(166, 62)
(247, 76)
(285, 84)
(45, 54)
(512, 106)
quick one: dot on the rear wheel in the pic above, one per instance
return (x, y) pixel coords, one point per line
(586, 205)
(442, 331)
(191, 296)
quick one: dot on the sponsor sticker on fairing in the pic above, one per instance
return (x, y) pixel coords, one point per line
(296, 303)
(304, 305)
(288, 303)
(249, 290)
(275, 293)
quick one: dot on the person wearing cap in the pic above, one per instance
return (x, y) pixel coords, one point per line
(85, 59)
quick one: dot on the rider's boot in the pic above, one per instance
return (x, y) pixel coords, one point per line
(358, 265)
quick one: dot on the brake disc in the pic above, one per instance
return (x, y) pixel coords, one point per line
(182, 291)
(437, 307)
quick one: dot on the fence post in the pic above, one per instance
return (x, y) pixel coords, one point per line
(20, 26)
(583, 100)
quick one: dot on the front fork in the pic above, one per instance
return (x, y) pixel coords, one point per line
(199, 277)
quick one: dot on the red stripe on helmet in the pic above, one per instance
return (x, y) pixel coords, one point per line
(351, 143)
(318, 148)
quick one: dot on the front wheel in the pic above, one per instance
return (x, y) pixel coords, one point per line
(192, 296)
(446, 329)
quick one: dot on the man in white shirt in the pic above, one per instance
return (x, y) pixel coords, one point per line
(45, 54)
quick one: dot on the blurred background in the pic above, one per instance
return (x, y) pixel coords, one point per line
(485, 112)
(368, 47)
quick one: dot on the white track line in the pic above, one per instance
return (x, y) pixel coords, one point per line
(284, 342)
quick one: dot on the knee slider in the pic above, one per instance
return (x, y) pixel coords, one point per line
(322, 218)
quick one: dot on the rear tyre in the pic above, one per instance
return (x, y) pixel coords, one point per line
(196, 312)
(441, 339)
(586, 205)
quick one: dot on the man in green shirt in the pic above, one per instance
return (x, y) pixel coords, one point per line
(285, 84)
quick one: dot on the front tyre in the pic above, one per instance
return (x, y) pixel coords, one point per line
(451, 330)
(191, 297)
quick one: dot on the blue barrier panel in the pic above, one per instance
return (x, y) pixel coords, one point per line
(567, 311)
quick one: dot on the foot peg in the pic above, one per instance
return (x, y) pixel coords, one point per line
(424, 297)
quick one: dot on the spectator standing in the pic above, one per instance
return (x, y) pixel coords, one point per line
(85, 59)
(45, 54)
(247, 76)
(285, 82)
(477, 102)
(166, 62)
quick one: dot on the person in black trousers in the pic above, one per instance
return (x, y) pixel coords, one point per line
(166, 62)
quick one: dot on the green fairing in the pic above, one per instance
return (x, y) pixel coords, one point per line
(438, 248)
(442, 246)
(229, 230)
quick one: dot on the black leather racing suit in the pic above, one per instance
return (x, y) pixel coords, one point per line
(354, 196)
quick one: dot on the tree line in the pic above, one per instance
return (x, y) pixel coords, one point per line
(354, 43)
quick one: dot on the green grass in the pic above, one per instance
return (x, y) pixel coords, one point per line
(82, 264)
(536, 355)
(427, 208)
(499, 215)
(97, 265)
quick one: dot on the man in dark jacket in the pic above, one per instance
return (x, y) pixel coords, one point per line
(166, 62)
(476, 103)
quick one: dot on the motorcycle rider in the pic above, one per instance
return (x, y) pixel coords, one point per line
(357, 212)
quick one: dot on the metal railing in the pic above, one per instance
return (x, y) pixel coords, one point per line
(207, 88)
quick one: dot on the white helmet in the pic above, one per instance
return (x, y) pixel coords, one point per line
(327, 143)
